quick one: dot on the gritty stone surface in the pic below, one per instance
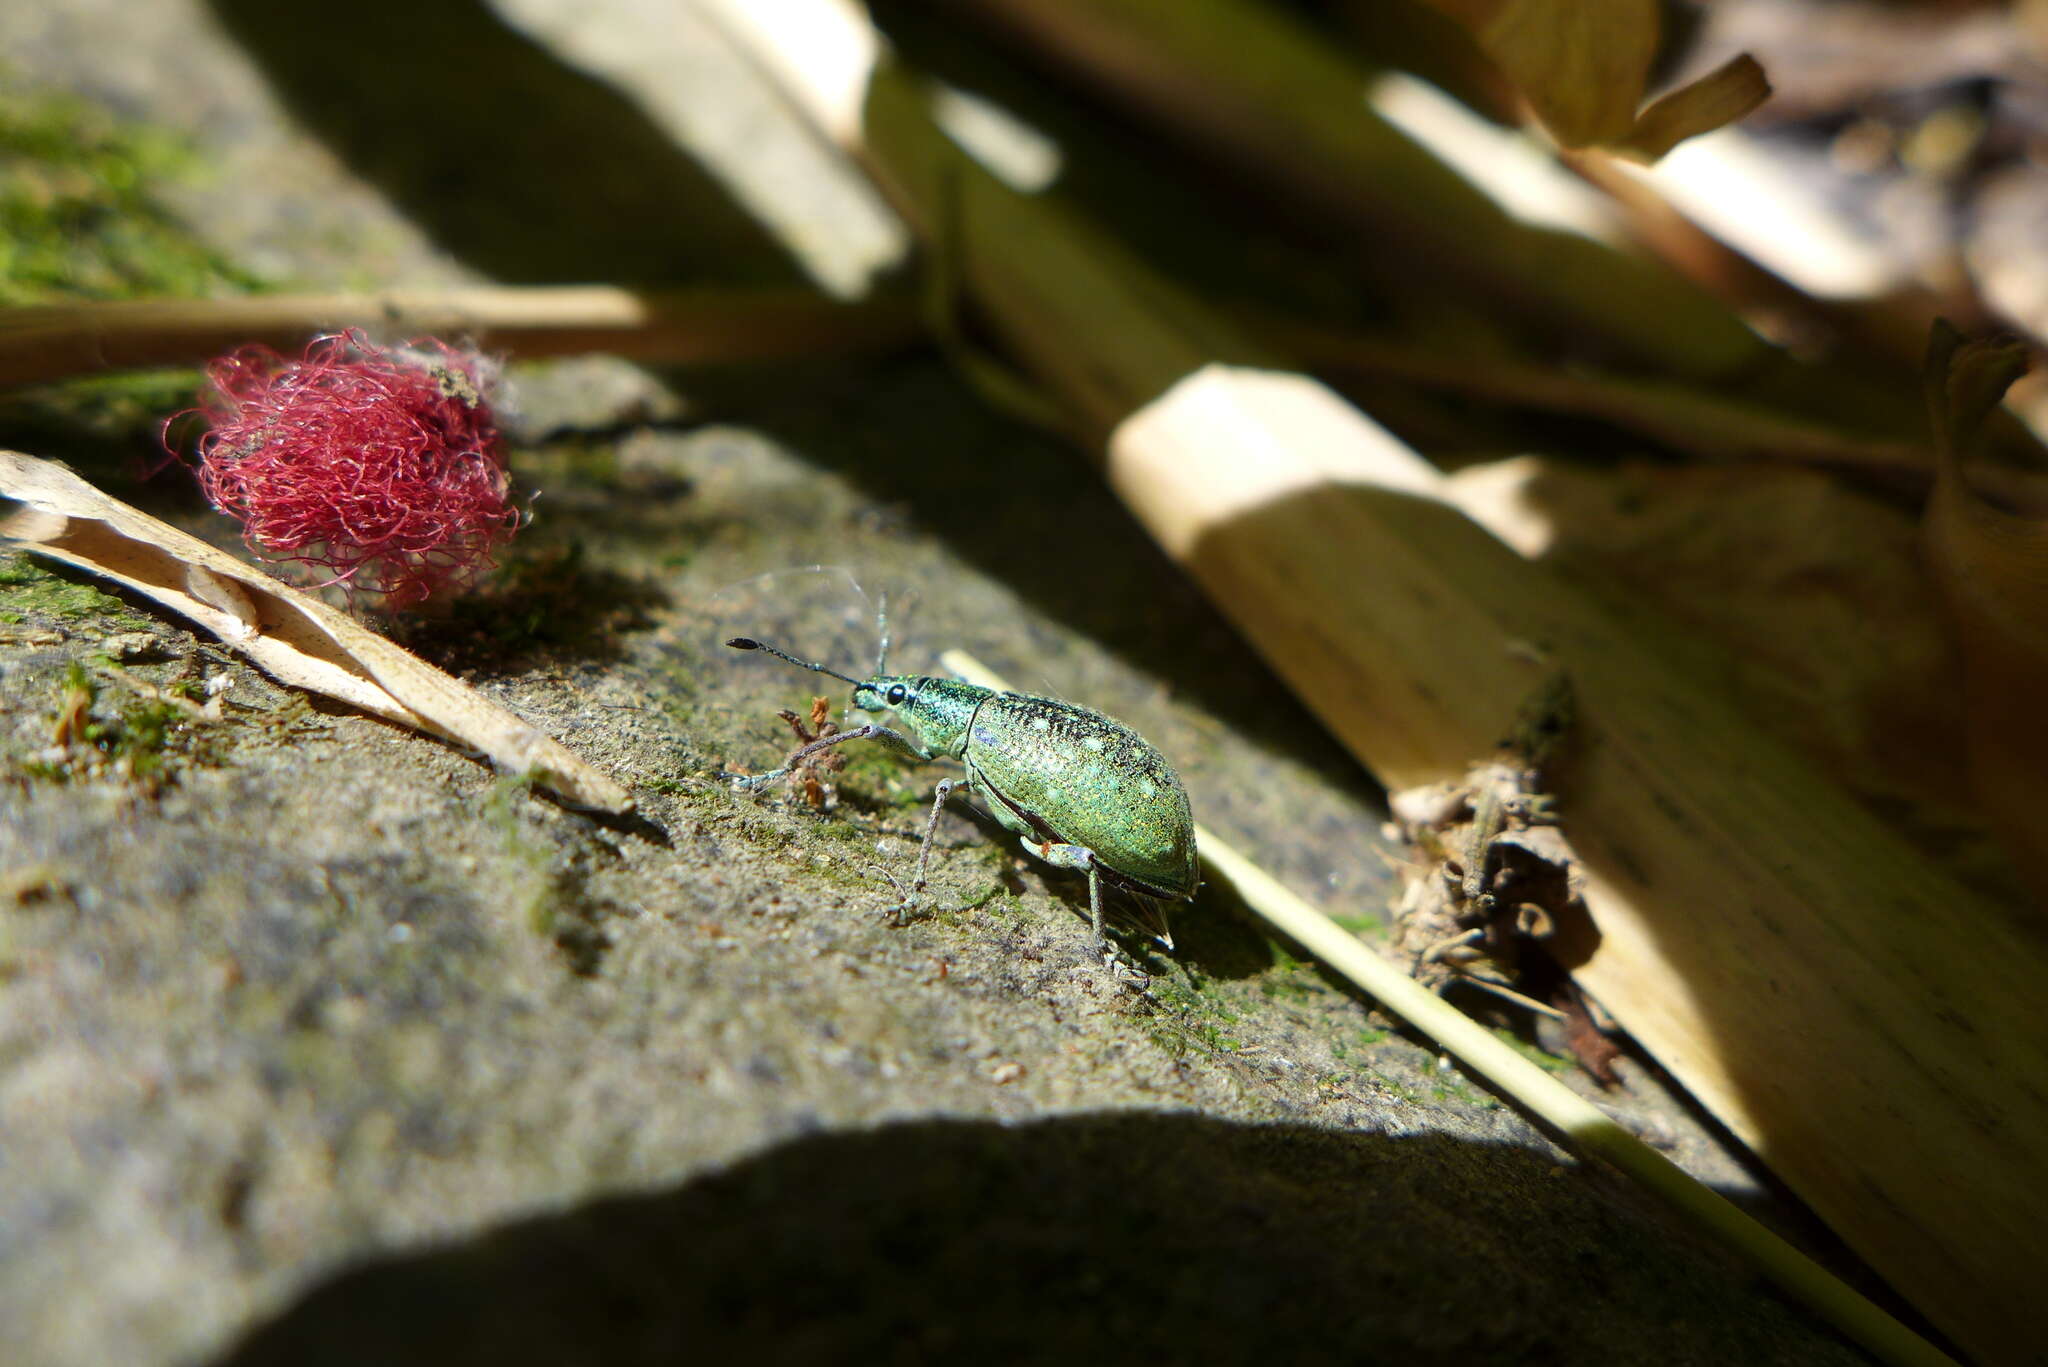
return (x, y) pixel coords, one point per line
(328, 1044)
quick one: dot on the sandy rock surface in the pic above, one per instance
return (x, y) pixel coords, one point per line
(325, 1043)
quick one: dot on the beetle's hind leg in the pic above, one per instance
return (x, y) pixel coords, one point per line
(1081, 857)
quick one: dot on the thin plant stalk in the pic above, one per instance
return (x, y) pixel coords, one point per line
(1583, 1125)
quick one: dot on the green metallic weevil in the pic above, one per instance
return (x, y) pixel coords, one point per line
(1083, 790)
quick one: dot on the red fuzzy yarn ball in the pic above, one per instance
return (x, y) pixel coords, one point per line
(382, 466)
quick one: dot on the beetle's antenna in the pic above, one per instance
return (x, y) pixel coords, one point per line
(882, 628)
(749, 643)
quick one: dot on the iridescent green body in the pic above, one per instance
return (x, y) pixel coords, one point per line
(1083, 790)
(1057, 774)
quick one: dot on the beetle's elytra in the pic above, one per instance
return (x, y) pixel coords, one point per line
(1083, 790)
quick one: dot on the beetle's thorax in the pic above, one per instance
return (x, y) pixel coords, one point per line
(933, 712)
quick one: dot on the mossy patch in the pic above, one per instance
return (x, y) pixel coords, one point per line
(30, 592)
(82, 214)
(1194, 1017)
(135, 733)
(1554, 1064)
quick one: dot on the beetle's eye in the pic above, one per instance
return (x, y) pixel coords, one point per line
(897, 693)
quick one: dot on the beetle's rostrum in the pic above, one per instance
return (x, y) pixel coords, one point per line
(1082, 790)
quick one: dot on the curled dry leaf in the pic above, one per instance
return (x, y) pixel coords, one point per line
(1486, 877)
(810, 777)
(1992, 567)
(296, 638)
(1585, 68)
(1489, 872)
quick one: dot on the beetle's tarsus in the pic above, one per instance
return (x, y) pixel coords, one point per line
(902, 913)
(1095, 904)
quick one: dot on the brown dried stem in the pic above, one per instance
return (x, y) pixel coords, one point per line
(668, 328)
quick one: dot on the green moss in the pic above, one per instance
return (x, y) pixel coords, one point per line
(81, 213)
(140, 738)
(502, 804)
(1290, 979)
(124, 410)
(83, 216)
(1399, 1090)
(557, 904)
(589, 462)
(1365, 927)
(1194, 1018)
(1548, 1062)
(28, 589)
(885, 777)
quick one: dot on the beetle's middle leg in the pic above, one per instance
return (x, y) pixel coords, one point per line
(1075, 857)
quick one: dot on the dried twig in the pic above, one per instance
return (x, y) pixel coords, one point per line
(671, 328)
(1583, 1124)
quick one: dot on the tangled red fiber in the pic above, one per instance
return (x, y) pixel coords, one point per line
(382, 466)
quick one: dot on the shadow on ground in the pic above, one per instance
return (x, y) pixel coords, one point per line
(527, 169)
(1125, 1237)
(533, 171)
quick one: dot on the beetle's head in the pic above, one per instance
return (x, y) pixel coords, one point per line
(885, 692)
(933, 714)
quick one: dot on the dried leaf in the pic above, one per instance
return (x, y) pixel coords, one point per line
(810, 776)
(296, 638)
(1581, 63)
(1992, 567)
(1584, 67)
(1713, 101)
(1593, 1047)
(1487, 872)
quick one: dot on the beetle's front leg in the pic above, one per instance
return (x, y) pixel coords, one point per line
(868, 731)
(931, 827)
(943, 791)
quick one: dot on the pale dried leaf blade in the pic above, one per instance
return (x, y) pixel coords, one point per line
(1943, 342)
(33, 524)
(217, 592)
(1992, 568)
(1972, 377)
(1582, 64)
(296, 638)
(1713, 101)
